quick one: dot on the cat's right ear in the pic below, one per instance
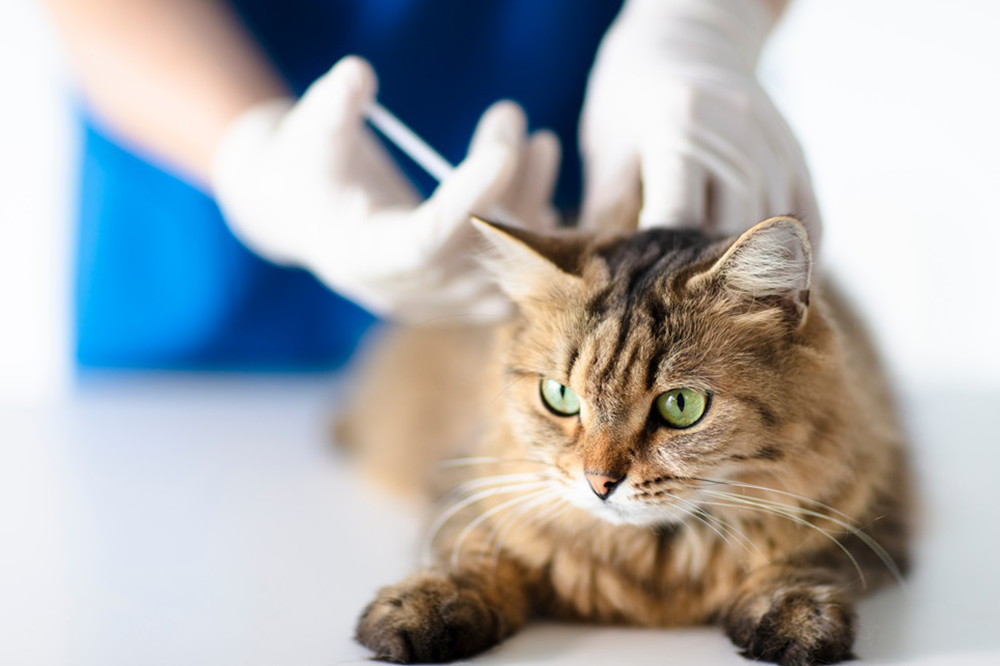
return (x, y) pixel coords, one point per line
(530, 266)
(769, 264)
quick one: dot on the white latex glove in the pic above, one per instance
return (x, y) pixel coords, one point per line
(676, 126)
(307, 183)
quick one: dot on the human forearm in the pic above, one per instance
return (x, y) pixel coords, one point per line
(166, 75)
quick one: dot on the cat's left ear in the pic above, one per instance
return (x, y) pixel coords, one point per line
(530, 266)
(771, 262)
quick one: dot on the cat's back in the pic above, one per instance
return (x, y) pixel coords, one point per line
(417, 397)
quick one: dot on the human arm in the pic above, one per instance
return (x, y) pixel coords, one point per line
(166, 76)
(303, 182)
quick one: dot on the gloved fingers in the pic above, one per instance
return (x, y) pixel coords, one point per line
(474, 187)
(529, 196)
(239, 173)
(338, 99)
(738, 193)
(455, 288)
(466, 291)
(426, 234)
(777, 182)
(780, 185)
(674, 186)
(331, 112)
(464, 301)
(780, 169)
(612, 193)
(479, 182)
(504, 122)
(801, 196)
(733, 207)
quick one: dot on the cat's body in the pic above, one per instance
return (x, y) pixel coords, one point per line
(611, 514)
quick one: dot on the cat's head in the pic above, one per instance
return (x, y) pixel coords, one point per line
(642, 362)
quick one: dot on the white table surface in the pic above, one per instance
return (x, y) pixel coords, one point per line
(190, 520)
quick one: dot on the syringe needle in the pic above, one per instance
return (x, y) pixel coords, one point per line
(420, 152)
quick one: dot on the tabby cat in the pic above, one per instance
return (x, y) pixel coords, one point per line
(675, 430)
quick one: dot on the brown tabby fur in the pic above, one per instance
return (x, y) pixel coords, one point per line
(798, 404)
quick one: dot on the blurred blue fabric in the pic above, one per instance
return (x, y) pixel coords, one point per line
(161, 282)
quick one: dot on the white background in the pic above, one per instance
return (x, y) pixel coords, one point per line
(194, 521)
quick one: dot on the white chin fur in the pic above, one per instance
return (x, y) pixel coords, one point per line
(624, 514)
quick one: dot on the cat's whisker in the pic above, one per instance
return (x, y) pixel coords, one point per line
(485, 515)
(801, 498)
(699, 539)
(446, 514)
(708, 519)
(731, 529)
(559, 509)
(469, 488)
(849, 526)
(864, 537)
(482, 517)
(694, 514)
(450, 463)
(848, 523)
(504, 525)
(750, 506)
(483, 481)
(548, 515)
(500, 535)
(784, 506)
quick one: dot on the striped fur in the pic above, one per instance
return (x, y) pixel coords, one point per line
(769, 517)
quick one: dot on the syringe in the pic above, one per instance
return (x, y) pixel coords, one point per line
(420, 151)
(407, 140)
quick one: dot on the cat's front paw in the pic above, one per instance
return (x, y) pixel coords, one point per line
(799, 626)
(429, 618)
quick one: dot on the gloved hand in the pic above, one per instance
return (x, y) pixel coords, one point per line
(307, 183)
(676, 127)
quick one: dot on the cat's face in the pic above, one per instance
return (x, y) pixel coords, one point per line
(646, 366)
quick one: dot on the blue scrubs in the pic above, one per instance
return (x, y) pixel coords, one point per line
(161, 282)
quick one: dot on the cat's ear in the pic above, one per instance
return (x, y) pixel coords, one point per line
(529, 265)
(771, 262)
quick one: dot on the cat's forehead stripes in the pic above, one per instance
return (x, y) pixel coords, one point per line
(639, 263)
(631, 331)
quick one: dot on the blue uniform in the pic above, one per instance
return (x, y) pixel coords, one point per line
(162, 283)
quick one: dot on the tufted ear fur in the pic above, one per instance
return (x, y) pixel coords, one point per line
(528, 265)
(770, 262)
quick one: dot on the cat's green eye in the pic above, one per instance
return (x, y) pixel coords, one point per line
(558, 398)
(682, 408)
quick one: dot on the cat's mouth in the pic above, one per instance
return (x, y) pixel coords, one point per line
(629, 505)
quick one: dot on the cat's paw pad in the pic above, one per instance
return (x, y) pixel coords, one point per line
(797, 627)
(428, 618)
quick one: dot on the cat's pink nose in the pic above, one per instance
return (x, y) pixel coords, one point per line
(603, 485)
